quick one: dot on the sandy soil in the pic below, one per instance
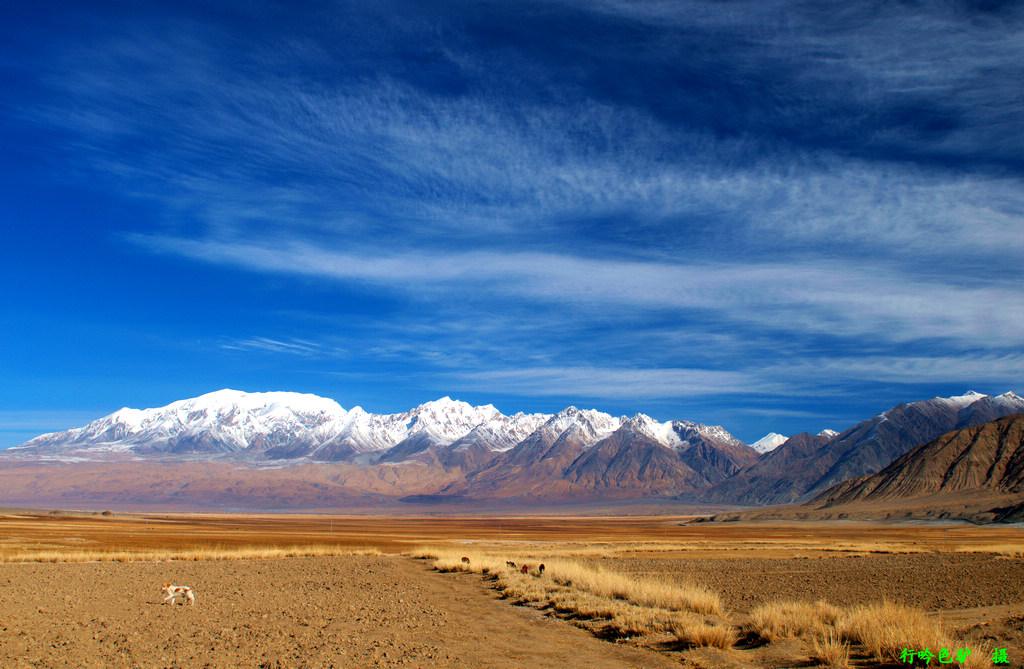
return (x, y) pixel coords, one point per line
(359, 611)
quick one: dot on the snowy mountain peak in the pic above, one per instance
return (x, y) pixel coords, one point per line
(685, 430)
(828, 434)
(221, 421)
(448, 419)
(441, 404)
(769, 442)
(226, 401)
(968, 398)
(127, 416)
(644, 424)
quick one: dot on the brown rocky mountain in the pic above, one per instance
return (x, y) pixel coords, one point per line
(639, 458)
(773, 476)
(985, 458)
(974, 474)
(805, 466)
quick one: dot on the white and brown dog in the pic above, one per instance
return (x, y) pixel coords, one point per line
(183, 591)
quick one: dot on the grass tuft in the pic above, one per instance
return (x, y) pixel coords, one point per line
(886, 629)
(696, 632)
(643, 592)
(830, 650)
(781, 620)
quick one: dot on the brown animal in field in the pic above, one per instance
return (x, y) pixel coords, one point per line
(540, 570)
(510, 564)
(525, 569)
(465, 560)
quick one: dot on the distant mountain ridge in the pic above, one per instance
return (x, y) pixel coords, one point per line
(989, 456)
(961, 474)
(475, 451)
(807, 465)
(449, 450)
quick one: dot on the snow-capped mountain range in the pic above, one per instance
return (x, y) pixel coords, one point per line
(288, 426)
(281, 424)
(449, 450)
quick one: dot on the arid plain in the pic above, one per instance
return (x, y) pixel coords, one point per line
(83, 589)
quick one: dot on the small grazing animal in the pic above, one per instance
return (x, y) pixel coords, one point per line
(465, 560)
(183, 591)
(510, 564)
(525, 569)
(540, 570)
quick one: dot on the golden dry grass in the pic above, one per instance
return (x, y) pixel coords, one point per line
(629, 606)
(830, 650)
(883, 629)
(582, 577)
(200, 553)
(696, 632)
(640, 591)
(1015, 550)
(779, 620)
(886, 629)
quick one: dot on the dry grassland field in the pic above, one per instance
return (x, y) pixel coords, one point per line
(83, 589)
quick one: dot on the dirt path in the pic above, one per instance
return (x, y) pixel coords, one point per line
(360, 611)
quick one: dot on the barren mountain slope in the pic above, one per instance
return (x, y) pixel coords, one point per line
(985, 458)
(802, 468)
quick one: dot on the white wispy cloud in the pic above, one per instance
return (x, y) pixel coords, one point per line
(382, 156)
(809, 376)
(495, 197)
(843, 299)
(888, 65)
(615, 383)
(1000, 371)
(300, 347)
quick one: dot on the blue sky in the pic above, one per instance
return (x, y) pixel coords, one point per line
(766, 215)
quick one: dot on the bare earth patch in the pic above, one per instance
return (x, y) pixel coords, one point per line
(355, 611)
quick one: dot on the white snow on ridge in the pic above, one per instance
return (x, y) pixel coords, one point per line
(967, 399)
(232, 421)
(769, 442)
(232, 418)
(289, 426)
(660, 432)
